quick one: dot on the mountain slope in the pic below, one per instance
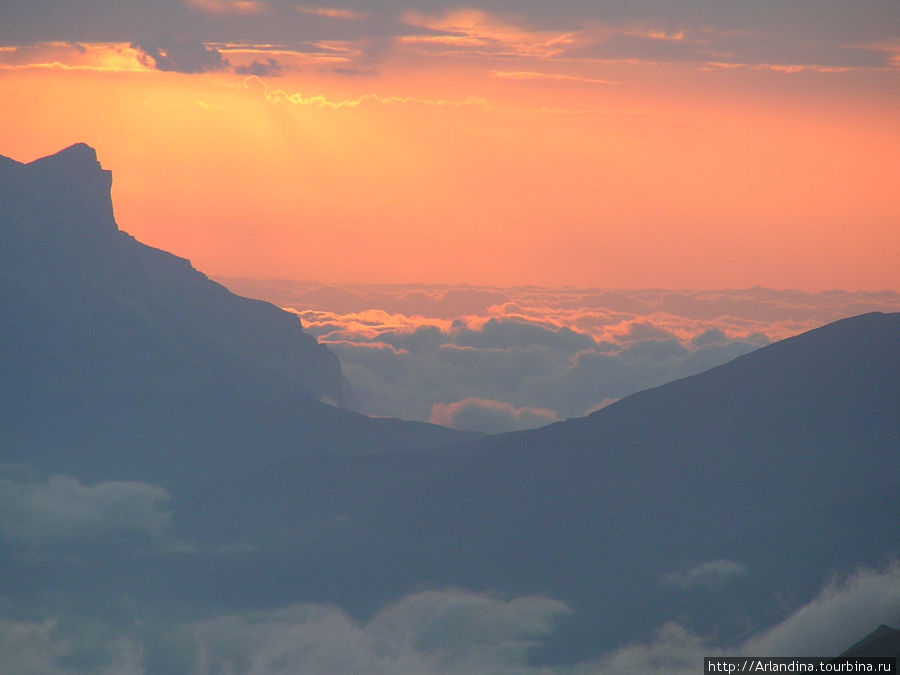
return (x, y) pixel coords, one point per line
(723, 499)
(90, 306)
(122, 361)
(884, 641)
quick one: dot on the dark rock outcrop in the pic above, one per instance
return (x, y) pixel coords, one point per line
(108, 312)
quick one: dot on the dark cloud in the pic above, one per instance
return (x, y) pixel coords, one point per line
(824, 34)
(190, 56)
(423, 339)
(654, 349)
(522, 364)
(271, 68)
(710, 336)
(505, 333)
(642, 330)
(181, 56)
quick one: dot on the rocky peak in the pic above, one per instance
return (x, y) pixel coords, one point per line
(63, 197)
(139, 318)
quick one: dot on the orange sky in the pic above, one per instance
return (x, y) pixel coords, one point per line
(476, 154)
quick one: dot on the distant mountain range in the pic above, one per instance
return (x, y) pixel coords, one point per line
(723, 500)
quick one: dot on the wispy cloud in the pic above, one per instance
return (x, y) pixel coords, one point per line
(787, 68)
(228, 6)
(476, 28)
(332, 12)
(711, 575)
(98, 57)
(533, 75)
(277, 95)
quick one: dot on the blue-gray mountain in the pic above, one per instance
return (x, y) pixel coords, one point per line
(884, 641)
(722, 501)
(122, 361)
(114, 314)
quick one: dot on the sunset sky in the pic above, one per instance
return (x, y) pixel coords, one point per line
(646, 144)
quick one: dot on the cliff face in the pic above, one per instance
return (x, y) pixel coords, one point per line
(84, 302)
(65, 195)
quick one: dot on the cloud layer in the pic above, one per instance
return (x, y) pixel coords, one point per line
(181, 56)
(726, 34)
(498, 359)
(447, 632)
(430, 632)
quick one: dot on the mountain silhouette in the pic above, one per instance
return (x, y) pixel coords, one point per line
(135, 316)
(884, 641)
(122, 360)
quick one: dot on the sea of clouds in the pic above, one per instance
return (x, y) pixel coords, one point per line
(476, 358)
(500, 359)
(431, 631)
